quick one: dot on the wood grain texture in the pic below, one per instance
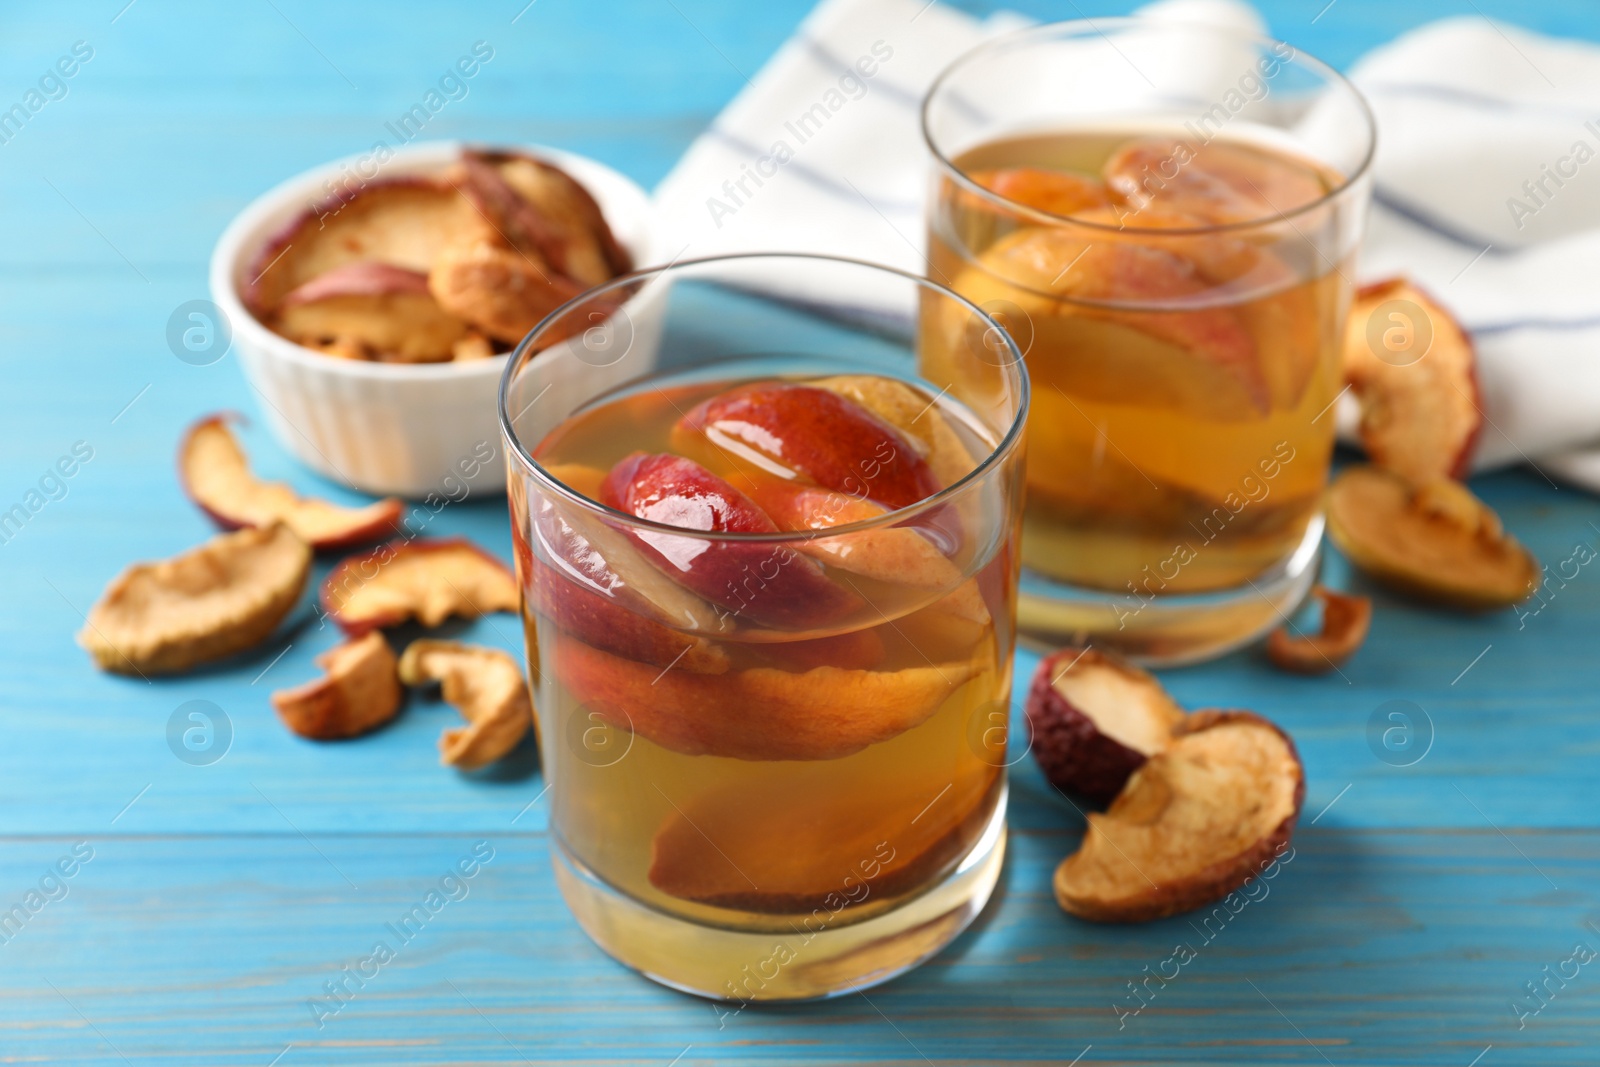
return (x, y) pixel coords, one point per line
(220, 898)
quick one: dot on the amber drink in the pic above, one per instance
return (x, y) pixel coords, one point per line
(1178, 288)
(770, 601)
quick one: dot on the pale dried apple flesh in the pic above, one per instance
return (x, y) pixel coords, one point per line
(426, 580)
(1439, 543)
(485, 685)
(358, 692)
(219, 598)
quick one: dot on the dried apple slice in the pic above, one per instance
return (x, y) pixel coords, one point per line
(1194, 823)
(1438, 542)
(406, 222)
(502, 292)
(1216, 182)
(869, 842)
(912, 413)
(385, 310)
(1056, 192)
(216, 475)
(760, 713)
(1413, 368)
(1345, 622)
(1094, 719)
(593, 582)
(358, 693)
(485, 685)
(427, 579)
(222, 597)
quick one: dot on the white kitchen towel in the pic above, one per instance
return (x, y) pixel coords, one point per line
(1487, 185)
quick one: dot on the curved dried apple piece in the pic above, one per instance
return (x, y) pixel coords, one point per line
(1194, 823)
(222, 597)
(871, 841)
(426, 580)
(1414, 371)
(359, 692)
(405, 222)
(1438, 542)
(485, 685)
(1094, 719)
(1345, 621)
(501, 291)
(381, 310)
(216, 475)
(760, 713)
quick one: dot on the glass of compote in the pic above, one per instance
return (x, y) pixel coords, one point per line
(1165, 217)
(768, 571)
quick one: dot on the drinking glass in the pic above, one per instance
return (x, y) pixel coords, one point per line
(1165, 218)
(792, 783)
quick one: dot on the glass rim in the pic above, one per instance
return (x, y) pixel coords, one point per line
(1097, 27)
(519, 356)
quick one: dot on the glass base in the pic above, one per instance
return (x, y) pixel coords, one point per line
(742, 967)
(1167, 630)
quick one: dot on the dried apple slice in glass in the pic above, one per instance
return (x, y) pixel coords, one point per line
(760, 713)
(359, 692)
(1414, 371)
(385, 311)
(222, 597)
(915, 415)
(1194, 823)
(1218, 183)
(1094, 719)
(216, 475)
(1437, 542)
(1056, 192)
(868, 841)
(427, 579)
(485, 685)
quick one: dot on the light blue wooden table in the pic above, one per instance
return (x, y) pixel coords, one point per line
(209, 904)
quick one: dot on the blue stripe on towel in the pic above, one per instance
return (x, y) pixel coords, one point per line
(829, 58)
(1471, 98)
(1553, 325)
(1434, 225)
(815, 177)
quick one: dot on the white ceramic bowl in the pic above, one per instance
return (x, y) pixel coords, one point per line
(387, 428)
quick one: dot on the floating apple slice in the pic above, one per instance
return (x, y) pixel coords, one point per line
(1413, 369)
(1188, 355)
(915, 415)
(787, 428)
(1056, 192)
(1194, 823)
(1438, 542)
(485, 685)
(819, 849)
(405, 222)
(427, 580)
(358, 693)
(760, 713)
(1095, 719)
(216, 475)
(769, 584)
(383, 311)
(594, 582)
(1218, 183)
(857, 650)
(1345, 621)
(222, 597)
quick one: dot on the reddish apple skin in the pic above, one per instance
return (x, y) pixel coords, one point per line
(768, 584)
(827, 437)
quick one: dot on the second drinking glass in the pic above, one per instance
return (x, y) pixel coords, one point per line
(1165, 217)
